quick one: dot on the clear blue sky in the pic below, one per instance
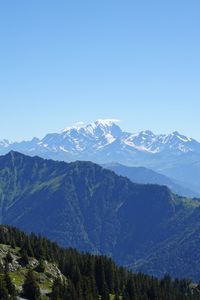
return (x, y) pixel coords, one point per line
(66, 61)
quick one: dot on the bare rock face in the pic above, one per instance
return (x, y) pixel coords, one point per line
(18, 270)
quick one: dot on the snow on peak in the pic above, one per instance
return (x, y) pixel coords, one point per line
(106, 122)
(5, 143)
(102, 123)
(103, 126)
(181, 137)
(154, 143)
(105, 135)
(77, 125)
(99, 133)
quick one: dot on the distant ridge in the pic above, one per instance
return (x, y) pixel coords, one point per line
(148, 176)
(99, 134)
(103, 141)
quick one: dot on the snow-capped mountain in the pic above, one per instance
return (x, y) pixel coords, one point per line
(102, 136)
(148, 141)
(103, 141)
(4, 143)
(81, 138)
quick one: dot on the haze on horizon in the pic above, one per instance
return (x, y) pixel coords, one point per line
(62, 62)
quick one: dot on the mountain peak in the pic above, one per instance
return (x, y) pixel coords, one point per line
(14, 153)
(76, 126)
(5, 143)
(175, 133)
(102, 141)
(106, 122)
(98, 123)
(180, 137)
(104, 126)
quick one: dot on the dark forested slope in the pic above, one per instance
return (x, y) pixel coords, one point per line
(82, 205)
(34, 268)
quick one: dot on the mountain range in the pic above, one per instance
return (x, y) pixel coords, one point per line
(83, 205)
(103, 141)
(147, 176)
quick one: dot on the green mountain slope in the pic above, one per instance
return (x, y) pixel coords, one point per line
(178, 253)
(34, 268)
(85, 206)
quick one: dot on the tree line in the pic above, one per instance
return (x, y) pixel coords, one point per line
(88, 276)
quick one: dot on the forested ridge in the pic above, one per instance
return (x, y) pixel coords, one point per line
(82, 276)
(87, 207)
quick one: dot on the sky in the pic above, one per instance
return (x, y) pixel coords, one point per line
(62, 62)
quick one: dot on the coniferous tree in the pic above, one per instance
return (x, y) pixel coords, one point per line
(3, 289)
(89, 276)
(116, 297)
(71, 293)
(28, 248)
(24, 256)
(56, 293)
(100, 276)
(41, 266)
(105, 294)
(9, 258)
(30, 287)
(9, 285)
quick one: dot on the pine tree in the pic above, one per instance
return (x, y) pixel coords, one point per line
(116, 297)
(56, 293)
(3, 289)
(41, 267)
(105, 294)
(100, 277)
(71, 293)
(30, 287)
(24, 256)
(8, 258)
(9, 285)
